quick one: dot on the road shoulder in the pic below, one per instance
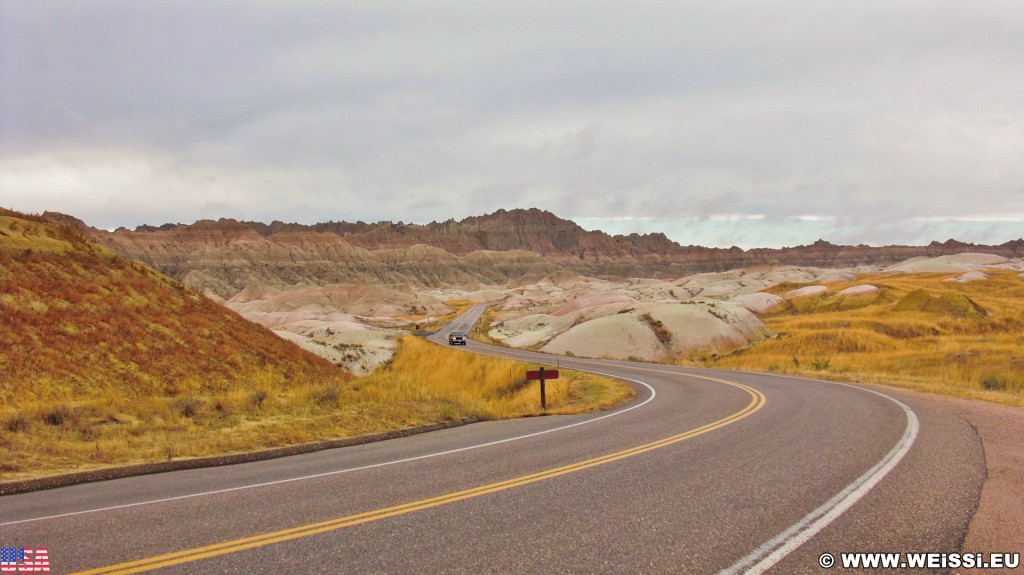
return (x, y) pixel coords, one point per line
(998, 523)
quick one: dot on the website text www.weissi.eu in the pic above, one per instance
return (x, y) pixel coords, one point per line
(920, 560)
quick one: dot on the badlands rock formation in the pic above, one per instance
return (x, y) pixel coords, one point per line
(345, 290)
(711, 313)
(351, 325)
(226, 256)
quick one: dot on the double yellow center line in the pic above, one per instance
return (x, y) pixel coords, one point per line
(199, 553)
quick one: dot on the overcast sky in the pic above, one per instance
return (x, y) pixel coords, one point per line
(719, 123)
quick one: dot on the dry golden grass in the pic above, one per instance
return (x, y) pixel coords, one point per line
(488, 387)
(920, 332)
(424, 384)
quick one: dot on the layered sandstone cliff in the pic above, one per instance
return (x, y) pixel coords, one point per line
(226, 256)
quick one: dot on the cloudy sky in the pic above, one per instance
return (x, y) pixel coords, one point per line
(721, 123)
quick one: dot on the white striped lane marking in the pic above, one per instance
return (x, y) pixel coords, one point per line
(777, 548)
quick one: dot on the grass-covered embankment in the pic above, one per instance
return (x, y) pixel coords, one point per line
(424, 384)
(919, 331)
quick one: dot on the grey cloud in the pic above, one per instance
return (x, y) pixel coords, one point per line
(869, 114)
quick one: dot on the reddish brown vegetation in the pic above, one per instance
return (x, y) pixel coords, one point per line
(78, 322)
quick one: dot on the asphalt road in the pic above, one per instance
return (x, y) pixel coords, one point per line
(703, 472)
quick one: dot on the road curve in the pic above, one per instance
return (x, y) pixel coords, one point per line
(703, 472)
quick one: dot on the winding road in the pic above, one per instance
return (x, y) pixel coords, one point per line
(703, 472)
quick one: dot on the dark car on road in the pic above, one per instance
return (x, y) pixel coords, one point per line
(456, 338)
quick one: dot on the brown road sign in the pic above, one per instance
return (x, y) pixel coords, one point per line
(548, 374)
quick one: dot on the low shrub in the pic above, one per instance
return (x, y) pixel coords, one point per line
(188, 406)
(58, 415)
(1001, 382)
(661, 332)
(16, 423)
(326, 395)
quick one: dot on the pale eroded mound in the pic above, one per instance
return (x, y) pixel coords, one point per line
(760, 303)
(592, 300)
(809, 291)
(662, 331)
(312, 317)
(968, 277)
(860, 290)
(615, 336)
(357, 300)
(952, 263)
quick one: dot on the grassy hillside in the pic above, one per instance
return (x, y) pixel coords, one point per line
(79, 322)
(919, 331)
(105, 362)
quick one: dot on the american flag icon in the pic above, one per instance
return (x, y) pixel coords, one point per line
(24, 560)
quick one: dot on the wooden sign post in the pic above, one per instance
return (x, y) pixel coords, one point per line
(542, 375)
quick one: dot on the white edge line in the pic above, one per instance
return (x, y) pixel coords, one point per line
(778, 547)
(363, 468)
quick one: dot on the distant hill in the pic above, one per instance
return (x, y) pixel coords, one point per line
(226, 256)
(80, 322)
